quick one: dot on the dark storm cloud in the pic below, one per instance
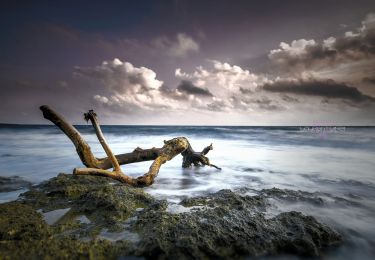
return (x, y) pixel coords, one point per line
(264, 103)
(250, 99)
(289, 99)
(245, 90)
(216, 106)
(189, 88)
(312, 87)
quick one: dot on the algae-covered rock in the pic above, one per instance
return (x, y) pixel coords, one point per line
(101, 200)
(21, 222)
(25, 235)
(93, 217)
(230, 226)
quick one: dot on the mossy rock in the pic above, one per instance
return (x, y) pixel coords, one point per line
(100, 198)
(221, 225)
(230, 226)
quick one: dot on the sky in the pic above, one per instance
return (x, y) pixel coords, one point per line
(179, 62)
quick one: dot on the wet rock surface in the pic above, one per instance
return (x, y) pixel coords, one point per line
(93, 217)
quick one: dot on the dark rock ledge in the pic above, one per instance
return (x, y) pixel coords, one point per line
(92, 217)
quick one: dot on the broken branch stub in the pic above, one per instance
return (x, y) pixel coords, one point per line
(98, 167)
(190, 157)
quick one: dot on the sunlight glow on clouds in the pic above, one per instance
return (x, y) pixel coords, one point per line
(133, 89)
(223, 78)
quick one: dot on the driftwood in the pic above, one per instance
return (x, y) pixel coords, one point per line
(100, 166)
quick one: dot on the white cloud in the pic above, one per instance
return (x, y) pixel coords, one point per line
(368, 23)
(101, 99)
(122, 77)
(309, 56)
(297, 47)
(222, 79)
(126, 84)
(219, 88)
(179, 47)
(234, 88)
(329, 43)
(129, 88)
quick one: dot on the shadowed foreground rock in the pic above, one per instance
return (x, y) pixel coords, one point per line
(93, 217)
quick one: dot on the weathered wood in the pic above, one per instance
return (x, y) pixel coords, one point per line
(138, 155)
(94, 121)
(84, 150)
(98, 167)
(190, 157)
(171, 148)
(82, 147)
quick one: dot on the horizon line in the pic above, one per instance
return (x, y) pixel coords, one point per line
(32, 124)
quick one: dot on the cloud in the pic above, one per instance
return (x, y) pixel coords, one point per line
(304, 54)
(313, 87)
(256, 102)
(180, 47)
(233, 88)
(219, 88)
(129, 89)
(189, 88)
(122, 77)
(222, 79)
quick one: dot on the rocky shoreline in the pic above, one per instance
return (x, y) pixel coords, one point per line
(92, 217)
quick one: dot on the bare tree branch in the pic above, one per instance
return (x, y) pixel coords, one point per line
(84, 150)
(98, 167)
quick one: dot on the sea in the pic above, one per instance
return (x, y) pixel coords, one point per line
(330, 162)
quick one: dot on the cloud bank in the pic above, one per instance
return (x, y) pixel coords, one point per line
(313, 87)
(306, 80)
(301, 55)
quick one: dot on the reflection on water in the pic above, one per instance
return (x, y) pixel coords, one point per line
(338, 164)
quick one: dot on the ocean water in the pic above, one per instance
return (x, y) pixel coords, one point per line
(332, 163)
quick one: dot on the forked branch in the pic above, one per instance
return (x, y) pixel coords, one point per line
(99, 167)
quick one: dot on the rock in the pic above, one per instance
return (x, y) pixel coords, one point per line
(220, 225)
(24, 235)
(100, 199)
(13, 183)
(230, 226)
